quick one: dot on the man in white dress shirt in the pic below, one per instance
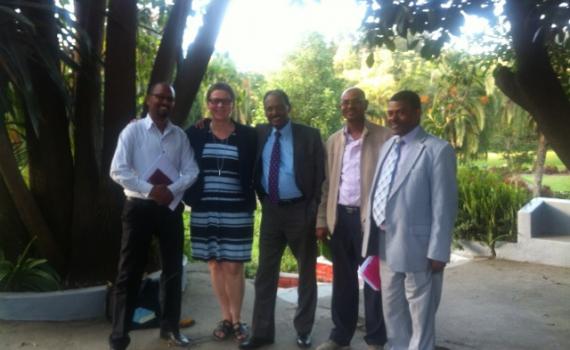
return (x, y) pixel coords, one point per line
(413, 205)
(146, 212)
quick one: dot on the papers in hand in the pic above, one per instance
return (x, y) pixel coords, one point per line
(162, 172)
(369, 271)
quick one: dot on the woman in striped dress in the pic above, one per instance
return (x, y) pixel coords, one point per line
(223, 201)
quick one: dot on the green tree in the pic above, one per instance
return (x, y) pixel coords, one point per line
(538, 49)
(68, 101)
(248, 87)
(309, 78)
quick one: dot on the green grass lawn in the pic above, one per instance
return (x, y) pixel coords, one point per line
(496, 160)
(558, 183)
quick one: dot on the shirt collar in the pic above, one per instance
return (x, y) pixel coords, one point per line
(348, 138)
(409, 137)
(285, 130)
(148, 123)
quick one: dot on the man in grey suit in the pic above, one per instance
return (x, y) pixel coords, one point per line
(413, 207)
(290, 175)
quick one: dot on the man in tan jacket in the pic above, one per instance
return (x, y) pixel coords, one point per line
(352, 154)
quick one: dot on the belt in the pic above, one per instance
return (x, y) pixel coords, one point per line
(349, 209)
(136, 199)
(290, 201)
(285, 202)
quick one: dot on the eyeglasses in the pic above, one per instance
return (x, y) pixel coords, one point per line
(222, 101)
(163, 97)
(355, 102)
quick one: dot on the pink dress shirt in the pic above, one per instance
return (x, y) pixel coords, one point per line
(349, 187)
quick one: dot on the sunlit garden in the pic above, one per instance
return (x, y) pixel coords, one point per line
(70, 80)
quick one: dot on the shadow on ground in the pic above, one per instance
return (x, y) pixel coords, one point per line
(487, 304)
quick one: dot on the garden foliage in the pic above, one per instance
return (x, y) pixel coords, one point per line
(488, 207)
(27, 274)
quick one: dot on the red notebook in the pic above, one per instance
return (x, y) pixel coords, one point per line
(369, 271)
(159, 178)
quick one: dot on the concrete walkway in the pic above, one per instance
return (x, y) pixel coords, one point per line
(486, 305)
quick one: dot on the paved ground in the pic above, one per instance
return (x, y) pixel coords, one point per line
(486, 305)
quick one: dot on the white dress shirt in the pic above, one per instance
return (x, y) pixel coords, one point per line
(140, 144)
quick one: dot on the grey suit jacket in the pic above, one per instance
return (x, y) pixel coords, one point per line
(308, 161)
(422, 206)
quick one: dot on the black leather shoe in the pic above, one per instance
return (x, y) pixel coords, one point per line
(304, 340)
(175, 338)
(254, 343)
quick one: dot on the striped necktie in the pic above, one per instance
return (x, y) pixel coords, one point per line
(386, 179)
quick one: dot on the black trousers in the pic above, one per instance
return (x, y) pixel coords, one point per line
(346, 245)
(141, 220)
(281, 226)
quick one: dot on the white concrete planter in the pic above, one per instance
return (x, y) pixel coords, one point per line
(73, 304)
(66, 305)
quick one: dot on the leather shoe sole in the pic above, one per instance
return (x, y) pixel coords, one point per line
(304, 341)
(254, 343)
(175, 338)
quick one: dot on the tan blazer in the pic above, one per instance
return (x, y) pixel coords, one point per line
(374, 137)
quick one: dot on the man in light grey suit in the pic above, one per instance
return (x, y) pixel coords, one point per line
(413, 207)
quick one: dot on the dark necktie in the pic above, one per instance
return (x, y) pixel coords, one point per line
(273, 177)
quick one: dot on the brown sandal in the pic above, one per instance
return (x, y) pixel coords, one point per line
(241, 331)
(223, 330)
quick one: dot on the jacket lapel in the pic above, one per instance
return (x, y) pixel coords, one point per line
(264, 135)
(297, 149)
(415, 150)
(383, 153)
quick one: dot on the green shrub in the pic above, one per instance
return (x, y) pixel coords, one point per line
(27, 274)
(187, 244)
(487, 207)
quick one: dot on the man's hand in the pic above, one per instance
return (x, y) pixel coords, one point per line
(201, 123)
(436, 266)
(161, 195)
(322, 233)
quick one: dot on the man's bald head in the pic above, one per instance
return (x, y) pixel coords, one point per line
(353, 104)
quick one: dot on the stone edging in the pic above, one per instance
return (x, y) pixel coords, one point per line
(65, 305)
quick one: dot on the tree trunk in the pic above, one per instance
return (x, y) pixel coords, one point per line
(539, 165)
(534, 85)
(28, 211)
(88, 119)
(170, 49)
(13, 235)
(120, 74)
(195, 64)
(50, 161)
(119, 108)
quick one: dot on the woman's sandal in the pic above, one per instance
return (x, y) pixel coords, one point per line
(223, 330)
(240, 331)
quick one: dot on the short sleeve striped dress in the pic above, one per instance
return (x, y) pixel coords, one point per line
(221, 227)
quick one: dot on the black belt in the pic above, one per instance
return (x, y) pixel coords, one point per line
(290, 201)
(285, 202)
(136, 199)
(349, 209)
